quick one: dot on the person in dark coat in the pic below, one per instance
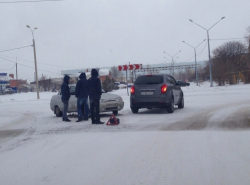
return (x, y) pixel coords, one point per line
(82, 97)
(65, 97)
(95, 92)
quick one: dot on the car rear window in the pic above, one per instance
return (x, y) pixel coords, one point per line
(72, 89)
(147, 80)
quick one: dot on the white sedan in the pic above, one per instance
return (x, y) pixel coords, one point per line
(108, 103)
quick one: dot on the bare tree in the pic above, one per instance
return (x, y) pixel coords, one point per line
(228, 60)
(45, 83)
(247, 73)
(108, 84)
(115, 73)
(247, 36)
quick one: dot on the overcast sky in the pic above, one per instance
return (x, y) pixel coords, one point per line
(99, 33)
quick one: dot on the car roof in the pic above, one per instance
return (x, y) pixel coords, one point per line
(157, 75)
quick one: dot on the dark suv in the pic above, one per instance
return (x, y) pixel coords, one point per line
(156, 91)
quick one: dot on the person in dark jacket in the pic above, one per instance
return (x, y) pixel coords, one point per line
(82, 97)
(65, 97)
(95, 92)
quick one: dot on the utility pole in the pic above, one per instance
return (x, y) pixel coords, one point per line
(34, 48)
(196, 74)
(16, 69)
(172, 63)
(209, 57)
(16, 76)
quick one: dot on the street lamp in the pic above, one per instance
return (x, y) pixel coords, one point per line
(172, 59)
(167, 59)
(210, 66)
(195, 58)
(34, 48)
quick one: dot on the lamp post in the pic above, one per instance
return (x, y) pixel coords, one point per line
(196, 75)
(172, 59)
(210, 66)
(34, 48)
(169, 61)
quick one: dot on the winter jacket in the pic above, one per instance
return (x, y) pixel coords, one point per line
(65, 88)
(82, 87)
(94, 84)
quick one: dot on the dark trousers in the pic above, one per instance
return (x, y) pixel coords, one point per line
(65, 108)
(83, 101)
(95, 110)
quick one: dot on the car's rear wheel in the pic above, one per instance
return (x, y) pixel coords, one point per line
(170, 107)
(115, 112)
(58, 112)
(135, 110)
(181, 103)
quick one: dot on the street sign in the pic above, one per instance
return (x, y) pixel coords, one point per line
(130, 67)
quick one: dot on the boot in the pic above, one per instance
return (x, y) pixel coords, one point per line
(99, 122)
(79, 120)
(67, 120)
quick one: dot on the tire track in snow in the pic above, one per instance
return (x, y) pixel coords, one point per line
(203, 120)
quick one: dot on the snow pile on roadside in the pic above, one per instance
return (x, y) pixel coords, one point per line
(29, 96)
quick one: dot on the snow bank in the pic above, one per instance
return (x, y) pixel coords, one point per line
(207, 142)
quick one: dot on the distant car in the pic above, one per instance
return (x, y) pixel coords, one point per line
(156, 91)
(8, 91)
(115, 87)
(108, 103)
(129, 85)
(182, 83)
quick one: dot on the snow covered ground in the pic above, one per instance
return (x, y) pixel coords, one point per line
(205, 143)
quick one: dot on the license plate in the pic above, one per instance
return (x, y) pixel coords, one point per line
(112, 105)
(147, 93)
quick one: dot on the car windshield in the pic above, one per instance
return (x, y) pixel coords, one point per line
(146, 80)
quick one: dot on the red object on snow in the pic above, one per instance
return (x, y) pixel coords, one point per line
(115, 120)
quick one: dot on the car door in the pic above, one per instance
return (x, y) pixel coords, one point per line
(72, 100)
(59, 102)
(177, 90)
(173, 86)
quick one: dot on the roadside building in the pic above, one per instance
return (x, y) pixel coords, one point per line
(103, 74)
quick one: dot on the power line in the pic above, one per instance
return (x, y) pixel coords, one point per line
(16, 48)
(12, 69)
(188, 59)
(196, 55)
(8, 65)
(230, 39)
(28, 66)
(37, 1)
(38, 62)
(202, 49)
(9, 68)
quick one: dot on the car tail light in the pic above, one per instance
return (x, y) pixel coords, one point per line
(132, 90)
(164, 88)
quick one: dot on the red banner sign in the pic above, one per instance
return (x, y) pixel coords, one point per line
(130, 67)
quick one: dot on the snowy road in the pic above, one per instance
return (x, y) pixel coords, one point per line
(207, 142)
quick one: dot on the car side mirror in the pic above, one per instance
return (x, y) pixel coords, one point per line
(178, 83)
